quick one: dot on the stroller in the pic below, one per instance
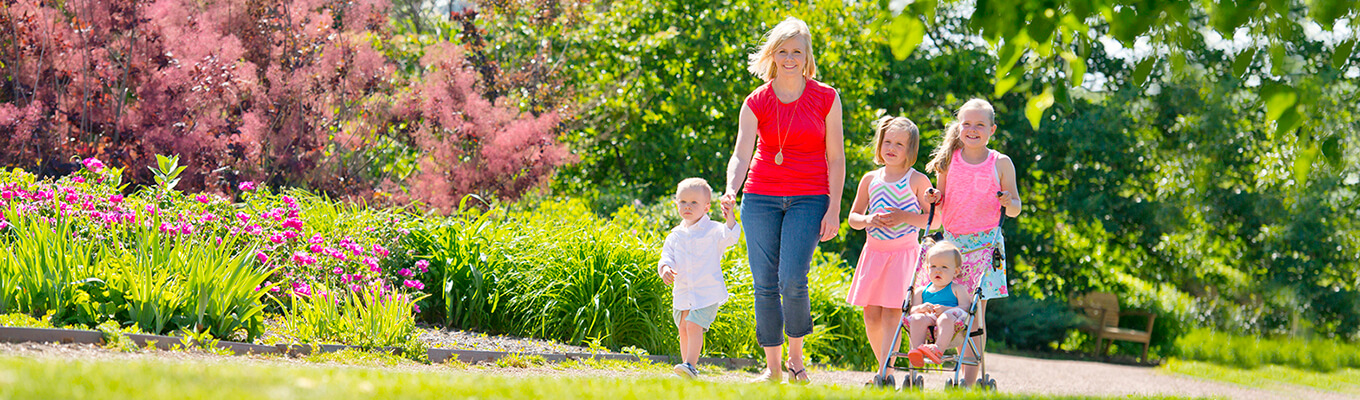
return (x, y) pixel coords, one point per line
(955, 362)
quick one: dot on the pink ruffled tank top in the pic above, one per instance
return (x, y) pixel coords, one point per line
(970, 203)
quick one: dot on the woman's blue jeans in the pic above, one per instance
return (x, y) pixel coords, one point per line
(781, 234)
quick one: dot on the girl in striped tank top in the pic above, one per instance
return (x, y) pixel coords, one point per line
(888, 206)
(975, 183)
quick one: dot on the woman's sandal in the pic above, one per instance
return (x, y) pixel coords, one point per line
(797, 375)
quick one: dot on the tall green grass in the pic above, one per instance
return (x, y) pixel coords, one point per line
(44, 268)
(1252, 352)
(369, 317)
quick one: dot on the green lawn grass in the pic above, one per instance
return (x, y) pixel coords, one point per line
(29, 378)
(1272, 377)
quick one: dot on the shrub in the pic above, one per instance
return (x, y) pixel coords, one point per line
(1027, 323)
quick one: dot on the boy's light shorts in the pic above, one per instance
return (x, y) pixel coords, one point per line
(702, 317)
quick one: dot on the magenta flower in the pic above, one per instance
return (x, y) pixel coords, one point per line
(246, 186)
(276, 238)
(423, 266)
(316, 248)
(316, 239)
(151, 209)
(291, 235)
(371, 262)
(406, 272)
(202, 198)
(93, 164)
(78, 179)
(293, 223)
(414, 284)
(338, 270)
(381, 251)
(115, 199)
(4, 224)
(208, 218)
(167, 227)
(290, 202)
(243, 217)
(261, 257)
(186, 229)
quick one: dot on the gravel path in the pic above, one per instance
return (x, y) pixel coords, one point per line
(1013, 374)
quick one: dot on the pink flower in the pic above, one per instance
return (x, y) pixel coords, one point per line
(316, 238)
(208, 218)
(243, 217)
(371, 262)
(254, 229)
(290, 202)
(316, 248)
(381, 251)
(261, 257)
(167, 227)
(406, 272)
(415, 308)
(151, 209)
(4, 224)
(93, 164)
(293, 223)
(338, 270)
(246, 186)
(115, 199)
(186, 228)
(414, 284)
(291, 235)
(276, 238)
(423, 266)
(202, 198)
(78, 179)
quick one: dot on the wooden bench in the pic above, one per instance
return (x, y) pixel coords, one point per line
(1102, 310)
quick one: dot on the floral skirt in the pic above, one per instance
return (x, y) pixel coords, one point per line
(978, 259)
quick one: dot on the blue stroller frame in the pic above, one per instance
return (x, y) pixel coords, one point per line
(914, 378)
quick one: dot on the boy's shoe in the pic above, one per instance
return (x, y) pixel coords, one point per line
(684, 370)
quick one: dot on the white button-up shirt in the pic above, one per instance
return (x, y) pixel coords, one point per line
(695, 253)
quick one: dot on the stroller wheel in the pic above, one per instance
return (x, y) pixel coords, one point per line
(919, 382)
(883, 381)
(950, 384)
(889, 382)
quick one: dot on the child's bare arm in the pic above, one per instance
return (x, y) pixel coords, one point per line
(1010, 198)
(965, 298)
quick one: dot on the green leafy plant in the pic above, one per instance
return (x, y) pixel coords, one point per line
(167, 172)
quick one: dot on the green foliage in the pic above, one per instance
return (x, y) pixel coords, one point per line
(47, 266)
(1254, 352)
(369, 317)
(1027, 323)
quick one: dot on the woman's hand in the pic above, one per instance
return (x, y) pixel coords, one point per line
(728, 201)
(831, 225)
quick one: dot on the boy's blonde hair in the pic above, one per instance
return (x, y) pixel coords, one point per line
(881, 127)
(694, 183)
(939, 159)
(761, 63)
(945, 246)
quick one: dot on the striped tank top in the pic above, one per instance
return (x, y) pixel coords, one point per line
(883, 195)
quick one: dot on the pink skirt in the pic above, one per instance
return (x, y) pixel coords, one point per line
(884, 271)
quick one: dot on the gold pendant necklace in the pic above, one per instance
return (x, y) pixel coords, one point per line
(784, 131)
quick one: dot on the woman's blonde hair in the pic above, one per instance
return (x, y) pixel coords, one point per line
(881, 127)
(939, 159)
(761, 63)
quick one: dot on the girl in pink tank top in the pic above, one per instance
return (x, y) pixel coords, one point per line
(975, 183)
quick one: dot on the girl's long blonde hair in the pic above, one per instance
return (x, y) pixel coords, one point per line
(761, 63)
(881, 127)
(939, 159)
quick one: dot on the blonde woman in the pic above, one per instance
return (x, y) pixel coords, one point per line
(790, 161)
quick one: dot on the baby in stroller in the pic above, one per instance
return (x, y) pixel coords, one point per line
(940, 304)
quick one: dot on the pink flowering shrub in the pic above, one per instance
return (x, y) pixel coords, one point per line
(268, 93)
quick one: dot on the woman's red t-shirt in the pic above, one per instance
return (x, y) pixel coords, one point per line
(801, 126)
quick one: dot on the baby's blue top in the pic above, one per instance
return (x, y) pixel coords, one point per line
(944, 296)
